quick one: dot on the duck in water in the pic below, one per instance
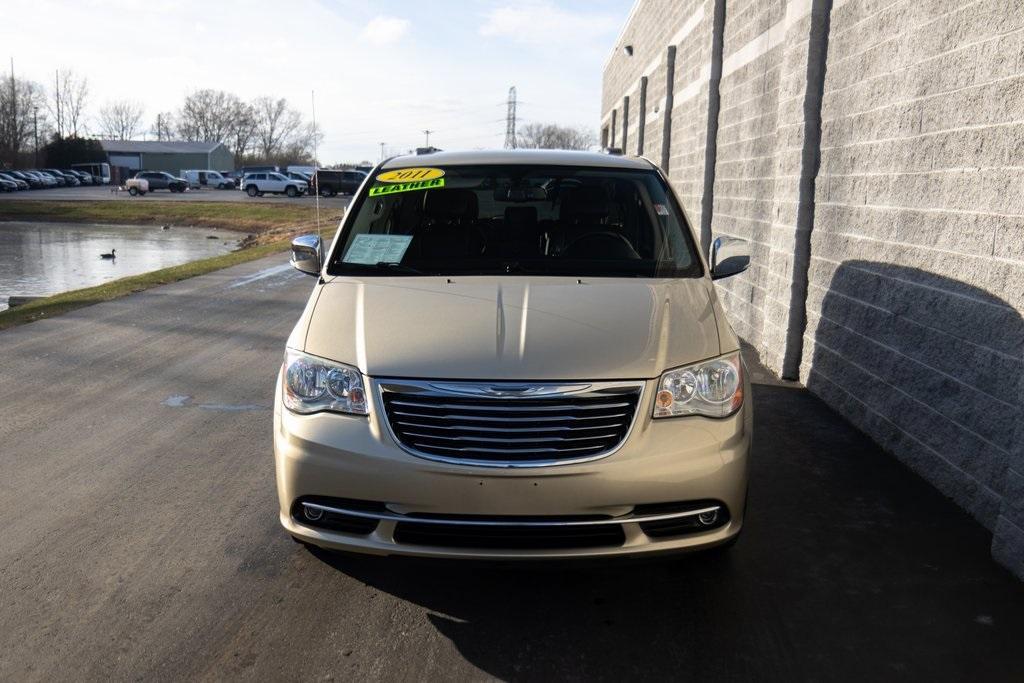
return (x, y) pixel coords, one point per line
(112, 254)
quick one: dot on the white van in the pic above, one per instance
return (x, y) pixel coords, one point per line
(197, 179)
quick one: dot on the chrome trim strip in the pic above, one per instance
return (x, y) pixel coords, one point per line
(502, 409)
(625, 519)
(412, 387)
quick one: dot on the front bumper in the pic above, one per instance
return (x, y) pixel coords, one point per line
(669, 461)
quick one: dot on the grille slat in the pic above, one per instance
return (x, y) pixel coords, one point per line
(565, 418)
(544, 427)
(511, 430)
(539, 439)
(504, 409)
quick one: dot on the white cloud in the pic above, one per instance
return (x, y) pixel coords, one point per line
(542, 22)
(384, 30)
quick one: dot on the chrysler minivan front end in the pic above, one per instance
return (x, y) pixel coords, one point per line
(513, 355)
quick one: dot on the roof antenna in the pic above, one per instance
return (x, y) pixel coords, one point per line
(316, 163)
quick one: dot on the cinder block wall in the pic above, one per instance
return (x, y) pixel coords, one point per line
(873, 154)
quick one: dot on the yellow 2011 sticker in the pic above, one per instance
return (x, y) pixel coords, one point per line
(393, 187)
(405, 175)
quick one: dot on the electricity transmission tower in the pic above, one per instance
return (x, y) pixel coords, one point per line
(510, 120)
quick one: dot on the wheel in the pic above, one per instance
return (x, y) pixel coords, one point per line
(324, 192)
(291, 191)
(133, 191)
(252, 191)
(334, 193)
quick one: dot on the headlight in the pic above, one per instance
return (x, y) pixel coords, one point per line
(713, 388)
(313, 384)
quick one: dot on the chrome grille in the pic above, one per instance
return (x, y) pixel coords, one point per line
(510, 425)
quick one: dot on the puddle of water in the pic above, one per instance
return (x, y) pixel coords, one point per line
(39, 259)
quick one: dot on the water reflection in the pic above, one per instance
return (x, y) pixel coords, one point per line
(46, 258)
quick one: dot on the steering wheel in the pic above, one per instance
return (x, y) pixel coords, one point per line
(599, 245)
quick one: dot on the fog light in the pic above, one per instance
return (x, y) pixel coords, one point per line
(312, 513)
(708, 518)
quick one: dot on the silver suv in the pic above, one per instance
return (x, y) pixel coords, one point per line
(513, 355)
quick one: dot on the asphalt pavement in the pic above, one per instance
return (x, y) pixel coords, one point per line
(109, 193)
(140, 538)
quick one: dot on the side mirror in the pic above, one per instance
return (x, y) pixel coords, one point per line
(729, 256)
(306, 256)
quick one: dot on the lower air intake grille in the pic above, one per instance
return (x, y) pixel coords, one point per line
(522, 425)
(509, 537)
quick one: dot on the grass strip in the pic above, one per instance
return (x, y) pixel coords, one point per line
(255, 217)
(68, 301)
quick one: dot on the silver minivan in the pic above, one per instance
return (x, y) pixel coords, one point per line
(513, 354)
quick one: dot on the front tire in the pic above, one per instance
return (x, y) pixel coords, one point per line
(291, 191)
(252, 191)
(133, 191)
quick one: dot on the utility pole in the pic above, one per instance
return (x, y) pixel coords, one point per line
(510, 120)
(382, 150)
(35, 133)
(427, 133)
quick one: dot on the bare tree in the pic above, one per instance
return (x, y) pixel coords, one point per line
(120, 120)
(20, 101)
(242, 131)
(66, 102)
(163, 126)
(300, 147)
(207, 115)
(553, 136)
(276, 123)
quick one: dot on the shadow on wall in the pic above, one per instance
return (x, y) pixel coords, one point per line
(932, 369)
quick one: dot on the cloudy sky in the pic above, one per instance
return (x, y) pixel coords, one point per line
(382, 71)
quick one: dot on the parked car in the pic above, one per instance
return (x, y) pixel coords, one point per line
(297, 175)
(258, 184)
(234, 176)
(606, 413)
(46, 179)
(69, 180)
(83, 177)
(246, 170)
(8, 185)
(34, 183)
(330, 183)
(58, 180)
(98, 170)
(162, 180)
(197, 179)
(19, 184)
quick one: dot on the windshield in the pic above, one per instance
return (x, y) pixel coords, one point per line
(517, 219)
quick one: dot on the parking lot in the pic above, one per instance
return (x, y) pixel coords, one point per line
(109, 193)
(141, 538)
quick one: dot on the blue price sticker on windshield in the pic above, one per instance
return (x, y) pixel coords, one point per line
(373, 249)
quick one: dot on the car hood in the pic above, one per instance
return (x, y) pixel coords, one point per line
(511, 328)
